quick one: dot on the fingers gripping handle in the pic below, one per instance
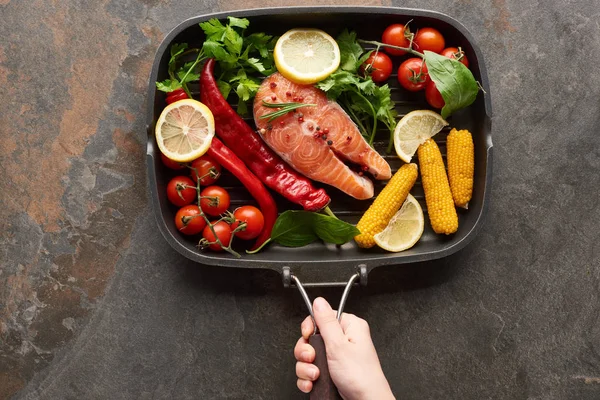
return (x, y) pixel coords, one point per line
(323, 387)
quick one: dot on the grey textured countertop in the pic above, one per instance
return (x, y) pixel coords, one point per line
(94, 304)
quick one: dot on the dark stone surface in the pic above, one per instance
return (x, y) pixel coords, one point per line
(94, 304)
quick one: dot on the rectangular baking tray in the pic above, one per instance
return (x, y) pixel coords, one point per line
(319, 261)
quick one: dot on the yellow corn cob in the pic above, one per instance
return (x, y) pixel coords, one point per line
(387, 203)
(461, 166)
(440, 205)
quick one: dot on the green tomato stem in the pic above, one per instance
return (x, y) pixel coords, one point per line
(379, 44)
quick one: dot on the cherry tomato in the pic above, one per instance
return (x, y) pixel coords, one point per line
(203, 165)
(181, 191)
(170, 163)
(457, 54)
(413, 75)
(433, 96)
(429, 39)
(254, 222)
(223, 232)
(397, 35)
(218, 201)
(381, 66)
(189, 221)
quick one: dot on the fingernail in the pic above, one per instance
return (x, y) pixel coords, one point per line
(320, 304)
(304, 356)
(312, 373)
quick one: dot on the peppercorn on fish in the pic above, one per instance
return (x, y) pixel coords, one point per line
(438, 196)
(314, 140)
(461, 166)
(387, 203)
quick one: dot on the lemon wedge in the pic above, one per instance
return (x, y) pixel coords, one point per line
(414, 129)
(306, 56)
(404, 229)
(185, 130)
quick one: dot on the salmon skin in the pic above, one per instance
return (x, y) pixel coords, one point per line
(316, 140)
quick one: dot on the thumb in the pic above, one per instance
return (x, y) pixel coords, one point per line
(328, 324)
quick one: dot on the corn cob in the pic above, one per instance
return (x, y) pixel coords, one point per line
(440, 205)
(387, 203)
(461, 165)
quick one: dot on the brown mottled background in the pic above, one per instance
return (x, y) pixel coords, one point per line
(95, 305)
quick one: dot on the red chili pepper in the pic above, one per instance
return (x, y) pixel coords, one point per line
(248, 146)
(224, 156)
(175, 95)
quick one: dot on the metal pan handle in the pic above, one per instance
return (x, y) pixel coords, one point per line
(323, 387)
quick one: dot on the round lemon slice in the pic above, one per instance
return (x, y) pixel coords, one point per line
(414, 129)
(306, 56)
(185, 130)
(404, 229)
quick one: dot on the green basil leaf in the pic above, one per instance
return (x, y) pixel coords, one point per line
(454, 81)
(299, 228)
(293, 229)
(333, 230)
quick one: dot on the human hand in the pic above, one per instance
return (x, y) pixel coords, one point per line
(353, 363)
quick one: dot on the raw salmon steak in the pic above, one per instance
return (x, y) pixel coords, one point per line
(316, 140)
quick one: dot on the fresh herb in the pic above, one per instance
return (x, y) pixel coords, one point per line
(178, 78)
(367, 103)
(300, 228)
(240, 58)
(284, 108)
(454, 81)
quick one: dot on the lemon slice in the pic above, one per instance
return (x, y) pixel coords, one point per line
(414, 129)
(185, 130)
(404, 229)
(306, 56)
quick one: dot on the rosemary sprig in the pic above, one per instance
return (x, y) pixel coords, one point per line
(285, 108)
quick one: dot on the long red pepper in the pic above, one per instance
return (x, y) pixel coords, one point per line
(248, 146)
(175, 95)
(233, 164)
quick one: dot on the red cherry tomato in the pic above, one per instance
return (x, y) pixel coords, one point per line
(223, 232)
(189, 221)
(433, 96)
(203, 165)
(413, 75)
(381, 66)
(396, 35)
(217, 202)
(181, 191)
(429, 39)
(170, 163)
(176, 95)
(457, 54)
(254, 222)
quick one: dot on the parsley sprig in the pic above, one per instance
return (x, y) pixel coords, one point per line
(241, 58)
(367, 103)
(179, 78)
